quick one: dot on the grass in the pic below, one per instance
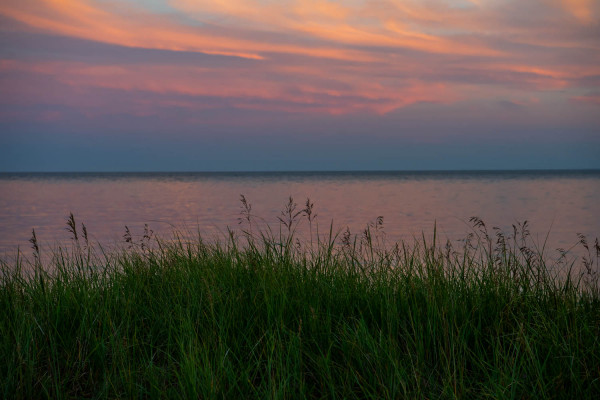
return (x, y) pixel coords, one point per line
(264, 315)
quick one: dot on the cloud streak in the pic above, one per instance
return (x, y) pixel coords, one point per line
(297, 56)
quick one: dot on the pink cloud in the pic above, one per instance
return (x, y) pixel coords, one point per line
(319, 56)
(590, 99)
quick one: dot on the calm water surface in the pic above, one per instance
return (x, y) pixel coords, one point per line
(562, 203)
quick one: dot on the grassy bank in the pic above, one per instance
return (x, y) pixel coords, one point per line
(262, 315)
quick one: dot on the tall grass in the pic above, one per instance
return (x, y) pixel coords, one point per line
(262, 314)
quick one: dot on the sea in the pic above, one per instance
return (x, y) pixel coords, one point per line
(558, 206)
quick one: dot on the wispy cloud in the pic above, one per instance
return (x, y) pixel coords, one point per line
(593, 98)
(306, 56)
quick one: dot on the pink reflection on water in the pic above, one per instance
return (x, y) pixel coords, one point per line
(561, 206)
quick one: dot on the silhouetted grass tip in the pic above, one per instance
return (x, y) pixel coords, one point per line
(269, 312)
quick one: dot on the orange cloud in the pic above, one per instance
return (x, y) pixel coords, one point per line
(245, 91)
(79, 18)
(325, 56)
(581, 9)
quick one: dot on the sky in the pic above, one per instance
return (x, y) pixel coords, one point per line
(258, 85)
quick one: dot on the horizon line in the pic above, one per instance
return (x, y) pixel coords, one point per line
(305, 171)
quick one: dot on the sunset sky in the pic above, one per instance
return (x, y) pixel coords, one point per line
(149, 85)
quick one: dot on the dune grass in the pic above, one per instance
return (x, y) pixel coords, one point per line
(263, 315)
